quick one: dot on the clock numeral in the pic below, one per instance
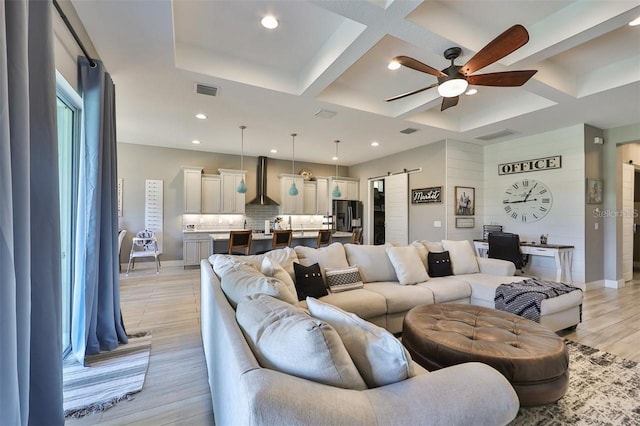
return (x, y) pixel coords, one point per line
(514, 215)
(525, 183)
(507, 209)
(542, 209)
(534, 215)
(542, 191)
(509, 192)
(515, 186)
(505, 201)
(546, 200)
(524, 217)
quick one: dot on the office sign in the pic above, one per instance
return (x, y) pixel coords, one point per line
(426, 195)
(534, 165)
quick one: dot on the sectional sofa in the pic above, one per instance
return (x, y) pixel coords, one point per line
(244, 392)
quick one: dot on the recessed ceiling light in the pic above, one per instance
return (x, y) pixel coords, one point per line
(201, 116)
(393, 65)
(635, 22)
(274, 151)
(375, 143)
(195, 142)
(334, 158)
(471, 92)
(269, 22)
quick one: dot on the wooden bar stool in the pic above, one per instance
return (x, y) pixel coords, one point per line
(281, 238)
(240, 240)
(357, 236)
(324, 237)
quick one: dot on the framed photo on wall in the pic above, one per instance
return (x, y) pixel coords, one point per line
(594, 191)
(465, 222)
(465, 201)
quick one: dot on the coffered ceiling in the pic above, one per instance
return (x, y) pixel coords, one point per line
(333, 55)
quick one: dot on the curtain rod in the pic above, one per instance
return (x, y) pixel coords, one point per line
(418, 170)
(92, 63)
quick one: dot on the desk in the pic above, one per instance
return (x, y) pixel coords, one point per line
(562, 254)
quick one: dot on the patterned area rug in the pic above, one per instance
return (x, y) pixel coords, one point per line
(603, 390)
(109, 378)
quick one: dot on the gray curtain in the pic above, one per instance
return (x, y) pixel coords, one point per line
(30, 295)
(96, 319)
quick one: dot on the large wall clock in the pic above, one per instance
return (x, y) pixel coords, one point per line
(527, 200)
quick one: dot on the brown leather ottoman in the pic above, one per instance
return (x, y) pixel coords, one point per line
(533, 358)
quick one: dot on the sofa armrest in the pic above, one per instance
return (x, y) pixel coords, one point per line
(496, 266)
(465, 394)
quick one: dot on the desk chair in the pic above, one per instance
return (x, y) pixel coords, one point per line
(357, 236)
(144, 244)
(240, 240)
(324, 237)
(506, 246)
(281, 238)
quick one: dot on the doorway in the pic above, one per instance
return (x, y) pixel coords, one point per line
(378, 212)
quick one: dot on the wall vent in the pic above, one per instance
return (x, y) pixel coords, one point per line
(206, 90)
(408, 130)
(496, 135)
(325, 113)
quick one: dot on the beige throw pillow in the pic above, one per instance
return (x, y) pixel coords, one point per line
(286, 339)
(373, 262)
(272, 268)
(380, 357)
(330, 257)
(463, 257)
(407, 264)
(245, 281)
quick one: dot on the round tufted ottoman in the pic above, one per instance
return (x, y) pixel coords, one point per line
(533, 358)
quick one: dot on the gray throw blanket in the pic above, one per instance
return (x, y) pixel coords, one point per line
(524, 298)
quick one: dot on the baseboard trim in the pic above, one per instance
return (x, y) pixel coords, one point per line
(614, 283)
(592, 285)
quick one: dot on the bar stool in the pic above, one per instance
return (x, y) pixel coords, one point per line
(357, 236)
(281, 238)
(324, 237)
(240, 240)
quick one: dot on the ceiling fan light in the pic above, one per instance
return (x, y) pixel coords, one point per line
(393, 65)
(635, 22)
(452, 88)
(269, 22)
(471, 92)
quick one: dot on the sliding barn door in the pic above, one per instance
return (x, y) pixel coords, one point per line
(628, 175)
(396, 205)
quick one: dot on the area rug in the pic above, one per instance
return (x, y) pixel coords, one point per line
(108, 378)
(603, 390)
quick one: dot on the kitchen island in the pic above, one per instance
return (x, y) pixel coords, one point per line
(262, 242)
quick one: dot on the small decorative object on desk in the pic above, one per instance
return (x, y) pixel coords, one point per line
(543, 238)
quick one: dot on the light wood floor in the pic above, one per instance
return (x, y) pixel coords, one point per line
(176, 391)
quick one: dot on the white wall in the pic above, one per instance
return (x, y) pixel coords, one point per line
(465, 167)
(565, 223)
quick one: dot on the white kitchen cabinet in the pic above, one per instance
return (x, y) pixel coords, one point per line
(349, 188)
(211, 194)
(232, 201)
(291, 204)
(192, 189)
(310, 200)
(322, 195)
(195, 246)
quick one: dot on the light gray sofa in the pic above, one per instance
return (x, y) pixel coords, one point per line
(244, 393)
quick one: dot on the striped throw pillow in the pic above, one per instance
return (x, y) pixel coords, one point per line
(343, 279)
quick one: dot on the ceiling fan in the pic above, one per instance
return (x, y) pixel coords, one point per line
(453, 81)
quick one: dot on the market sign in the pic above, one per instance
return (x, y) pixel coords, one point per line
(536, 165)
(426, 195)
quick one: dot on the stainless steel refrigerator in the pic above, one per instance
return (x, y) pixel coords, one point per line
(346, 215)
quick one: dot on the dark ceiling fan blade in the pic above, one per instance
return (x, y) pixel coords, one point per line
(504, 79)
(413, 92)
(506, 43)
(418, 66)
(449, 102)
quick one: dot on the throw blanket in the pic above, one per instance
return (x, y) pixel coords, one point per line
(524, 298)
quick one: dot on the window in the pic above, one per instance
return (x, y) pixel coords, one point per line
(69, 107)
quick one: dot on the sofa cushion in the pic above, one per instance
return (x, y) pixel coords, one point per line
(407, 264)
(433, 246)
(309, 281)
(463, 257)
(423, 251)
(373, 262)
(331, 256)
(401, 298)
(344, 279)
(483, 286)
(244, 281)
(285, 338)
(284, 256)
(366, 304)
(439, 264)
(271, 268)
(447, 289)
(379, 356)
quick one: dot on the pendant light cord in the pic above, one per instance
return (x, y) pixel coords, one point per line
(242, 146)
(337, 142)
(293, 152)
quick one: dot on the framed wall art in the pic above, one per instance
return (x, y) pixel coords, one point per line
(426, 195)
(465, 222)
(594, 191)
(465, 201)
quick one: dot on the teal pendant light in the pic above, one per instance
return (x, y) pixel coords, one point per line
(336, 191)
(242, 188)
(293, 191)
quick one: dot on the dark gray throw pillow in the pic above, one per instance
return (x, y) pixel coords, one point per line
(309, 281)
(439, 264)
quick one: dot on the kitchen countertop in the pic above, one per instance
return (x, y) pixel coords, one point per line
(224, 235)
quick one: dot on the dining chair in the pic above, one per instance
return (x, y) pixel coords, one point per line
(324, 237)
(144, 244)
(281, 238)
(357, 235)
(240, 240)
